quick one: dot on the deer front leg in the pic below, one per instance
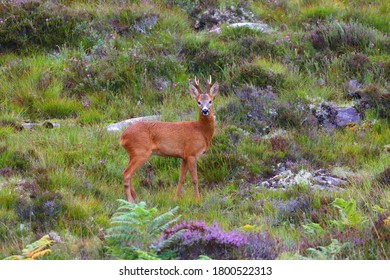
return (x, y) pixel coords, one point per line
(191, 162)
(183, 173)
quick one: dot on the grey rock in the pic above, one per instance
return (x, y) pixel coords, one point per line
(317, 180)
(347, 115)
(330, 116)
(252, 25)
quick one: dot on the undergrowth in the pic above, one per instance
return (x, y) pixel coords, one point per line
(69, 68)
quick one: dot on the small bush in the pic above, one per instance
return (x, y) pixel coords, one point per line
(200, 239)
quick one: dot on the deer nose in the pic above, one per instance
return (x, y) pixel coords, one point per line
(205, 111)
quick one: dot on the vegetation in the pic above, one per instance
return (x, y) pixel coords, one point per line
(86, 64)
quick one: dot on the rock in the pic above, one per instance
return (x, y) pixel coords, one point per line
(214, 17)
(123, 124)
(45, 124)
(330, 116)
(317, 180)
(347, 115)
(252, 25)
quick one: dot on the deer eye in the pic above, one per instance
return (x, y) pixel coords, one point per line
(210, 102)
(198, 102)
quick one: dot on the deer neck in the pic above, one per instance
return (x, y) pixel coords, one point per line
(206, 124)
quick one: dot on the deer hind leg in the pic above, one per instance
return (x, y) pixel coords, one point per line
(183, 173)
(191, 162)
(132, 167)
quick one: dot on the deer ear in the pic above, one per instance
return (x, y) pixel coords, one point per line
(214, 89)
(194, 91)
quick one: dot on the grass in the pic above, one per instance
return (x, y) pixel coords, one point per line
(97, 68)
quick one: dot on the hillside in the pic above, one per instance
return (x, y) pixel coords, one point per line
(299, 165)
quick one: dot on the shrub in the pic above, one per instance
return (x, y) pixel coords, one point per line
(200, 239)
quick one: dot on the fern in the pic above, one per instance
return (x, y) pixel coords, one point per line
(331, 252)
(34, 250)
(135, 230)
(349, 216)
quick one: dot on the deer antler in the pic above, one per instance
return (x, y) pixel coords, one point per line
(197, 85)
(208, 84)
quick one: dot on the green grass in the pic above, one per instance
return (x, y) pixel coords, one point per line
(96, 69)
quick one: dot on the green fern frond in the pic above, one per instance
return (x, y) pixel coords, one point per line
(135, 227)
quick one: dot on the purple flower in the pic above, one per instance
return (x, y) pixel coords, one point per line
(85, 103)
(198, 238)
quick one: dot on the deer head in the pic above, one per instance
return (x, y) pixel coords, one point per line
(204, 98)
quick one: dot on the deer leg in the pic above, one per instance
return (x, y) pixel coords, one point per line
(132, 167)
(191, 162)
(183, 173)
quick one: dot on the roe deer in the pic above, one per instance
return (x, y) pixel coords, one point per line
(186, 140)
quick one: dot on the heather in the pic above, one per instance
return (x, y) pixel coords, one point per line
(298, 167)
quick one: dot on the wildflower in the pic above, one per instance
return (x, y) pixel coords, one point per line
(66, 69)
(85, 103)
(46, 19)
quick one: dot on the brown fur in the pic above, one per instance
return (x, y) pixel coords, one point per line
(186, 140)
